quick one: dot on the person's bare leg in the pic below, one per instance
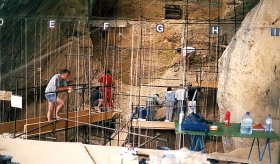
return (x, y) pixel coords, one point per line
(59, 106)
(100, 101)
(50, 111)
(104, 98)
(109, 95)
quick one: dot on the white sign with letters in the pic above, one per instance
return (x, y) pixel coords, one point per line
(215, 29)
(52, 24)
(160, 27)
(106, 25)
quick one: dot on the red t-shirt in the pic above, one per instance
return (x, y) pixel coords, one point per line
(106, 80)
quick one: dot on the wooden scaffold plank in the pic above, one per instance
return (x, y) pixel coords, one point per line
(153, 125)
(27, 124)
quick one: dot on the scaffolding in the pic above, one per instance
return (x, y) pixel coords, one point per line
(130, 48)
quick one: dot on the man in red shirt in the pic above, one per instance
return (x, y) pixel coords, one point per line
(107, 82)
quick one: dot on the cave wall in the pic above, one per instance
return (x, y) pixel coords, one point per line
(69, 13)
(249, 69)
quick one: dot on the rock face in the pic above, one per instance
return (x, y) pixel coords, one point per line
(231, 7)
(249, 69)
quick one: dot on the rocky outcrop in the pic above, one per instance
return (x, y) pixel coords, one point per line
(235, 9)
(249, 69)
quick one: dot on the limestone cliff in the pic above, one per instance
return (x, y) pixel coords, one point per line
(249, 68)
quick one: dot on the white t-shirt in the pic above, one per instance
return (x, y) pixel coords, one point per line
(181, 94)
(54, 82)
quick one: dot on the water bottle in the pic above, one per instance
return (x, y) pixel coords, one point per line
(181, 117)
(268, 123)
(246, 124)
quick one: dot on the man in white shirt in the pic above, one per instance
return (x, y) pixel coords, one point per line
(181, 96)
(56, 84)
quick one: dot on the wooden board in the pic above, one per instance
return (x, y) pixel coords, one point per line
(153, 125)
(112, 23)
(223, 157)
(34, 152)
(83, 116)
(72, 122)
(45, 152)
(5, 95)
(108, 155)
(8, 127)
(206, 84)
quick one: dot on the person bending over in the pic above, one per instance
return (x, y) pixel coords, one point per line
(96, 99)
(151, 102)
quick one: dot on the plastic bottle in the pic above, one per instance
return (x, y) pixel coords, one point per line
(181, 117)
(246, 124)
(268, 123)
(227, 118)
